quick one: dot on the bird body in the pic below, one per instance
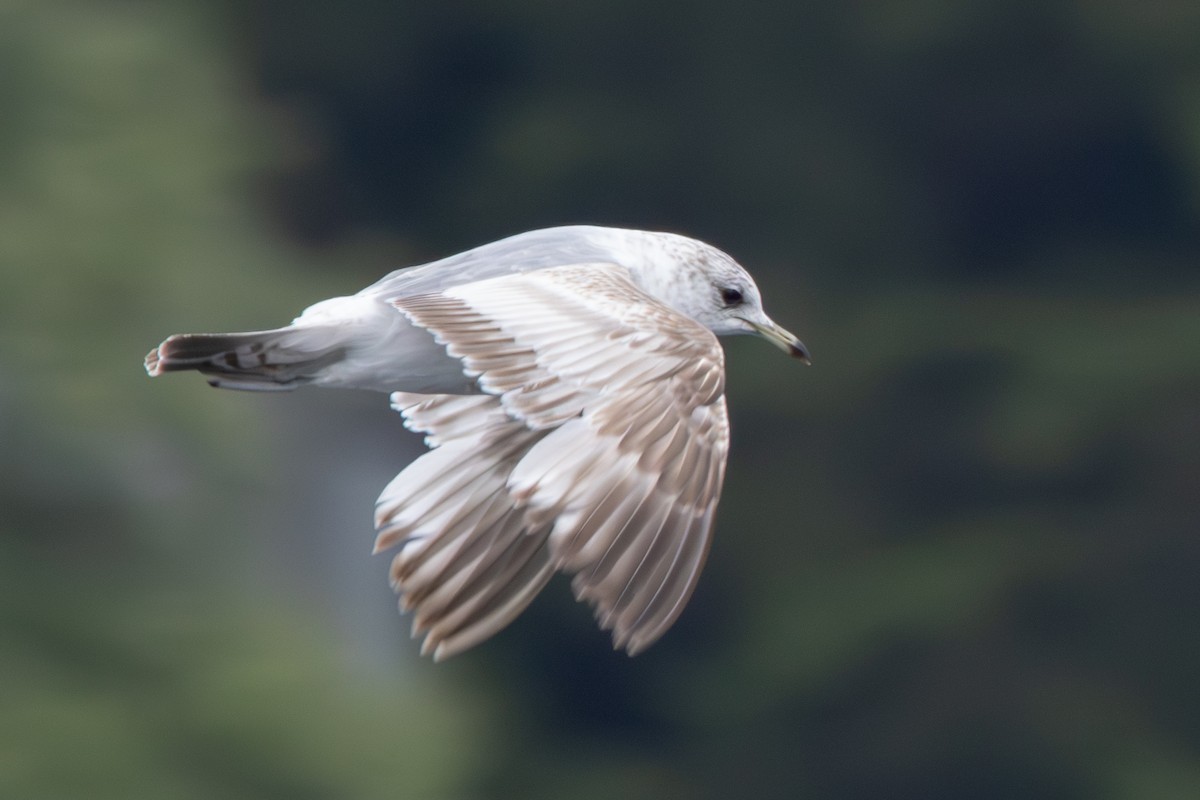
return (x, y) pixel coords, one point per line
(572, 393)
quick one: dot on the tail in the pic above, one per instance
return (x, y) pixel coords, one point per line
(277, 360)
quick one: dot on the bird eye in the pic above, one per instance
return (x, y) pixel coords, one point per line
(731, 297)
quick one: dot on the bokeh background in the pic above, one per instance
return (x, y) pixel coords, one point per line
(958, 557)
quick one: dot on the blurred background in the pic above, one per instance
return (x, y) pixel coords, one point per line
(958, 557)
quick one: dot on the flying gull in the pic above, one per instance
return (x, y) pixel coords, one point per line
(571, 392)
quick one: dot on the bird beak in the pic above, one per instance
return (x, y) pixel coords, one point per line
(785, 341)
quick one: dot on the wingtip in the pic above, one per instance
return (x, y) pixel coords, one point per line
(635, 645)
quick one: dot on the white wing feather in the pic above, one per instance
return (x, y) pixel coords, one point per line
(598, 450)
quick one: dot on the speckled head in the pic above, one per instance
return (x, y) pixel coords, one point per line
(700, 281)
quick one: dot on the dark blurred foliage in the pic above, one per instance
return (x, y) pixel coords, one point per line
(958, 557)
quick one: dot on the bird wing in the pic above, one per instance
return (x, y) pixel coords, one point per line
(524, 252)
(598, 449)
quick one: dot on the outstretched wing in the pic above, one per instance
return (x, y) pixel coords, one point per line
(598, 450)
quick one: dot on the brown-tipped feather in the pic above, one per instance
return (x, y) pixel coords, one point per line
(260, 360)
(603, 464)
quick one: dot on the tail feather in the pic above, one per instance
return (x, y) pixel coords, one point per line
(277, 360)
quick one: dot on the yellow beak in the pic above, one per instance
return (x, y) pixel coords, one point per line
(784, 340)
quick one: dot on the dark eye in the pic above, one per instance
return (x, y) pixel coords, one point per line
(731, 297)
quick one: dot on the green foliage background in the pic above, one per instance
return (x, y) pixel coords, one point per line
(956, 558)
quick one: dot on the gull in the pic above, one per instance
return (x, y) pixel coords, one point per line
(571, 392)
